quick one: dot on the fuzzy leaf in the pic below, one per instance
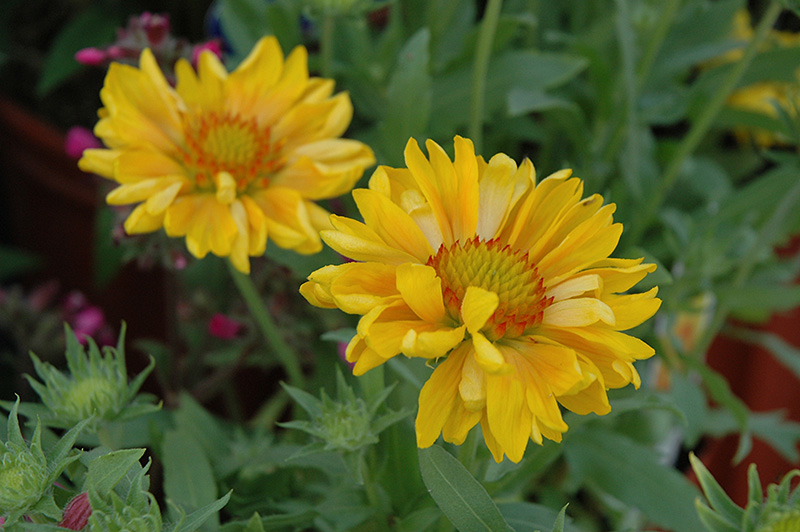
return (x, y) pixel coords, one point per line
(460, 497)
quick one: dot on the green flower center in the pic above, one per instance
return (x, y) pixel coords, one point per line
(496, 267)
(228, 143)
(91, 395)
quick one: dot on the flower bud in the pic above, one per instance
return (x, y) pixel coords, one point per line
(224, 327)
(91, 56)
(76, 513)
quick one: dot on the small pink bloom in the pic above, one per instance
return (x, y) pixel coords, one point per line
(224, 327)
(156, 27)
(88, 322)
(79, 139)
(91, 56)
(115, 52)
(341, 347)
(212, 46)
(76, 513)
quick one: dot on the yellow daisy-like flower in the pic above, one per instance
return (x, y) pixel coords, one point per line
(227, 159)
(505, 282)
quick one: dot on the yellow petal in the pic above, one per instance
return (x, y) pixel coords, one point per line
(633, 309)
(427, 182)
(574, 287)
(578, 312)
(358, 287)
(473, 384)
(421, 289)
(477, 307)
(508, 414)
(431, 342)
(499, 183)
(141, 221)
(392, 224)
(357, 241)
(438, 397)
(488, 356)
(459, 423)
(99, 161)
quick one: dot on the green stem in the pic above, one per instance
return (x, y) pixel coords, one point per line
(480, 68)
(326, 45)
(269, 330)
(704, 122)
(655, 41)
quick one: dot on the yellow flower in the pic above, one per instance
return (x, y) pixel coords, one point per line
(504, 282)
(227, 159)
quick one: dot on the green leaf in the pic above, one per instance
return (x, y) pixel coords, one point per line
(188, 478)
(15, 262)
(719, 500)
(107, 470)
(757, 301)
(92, 27)
(523, 100)
(632, 473)
(408, 98)
(460, 497)
(421, 519)
(193, 419)
(195, 519)
(558, 526)
(531, 517)
(243, 22)
(308, 402)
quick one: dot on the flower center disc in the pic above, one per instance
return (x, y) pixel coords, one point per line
(498, 268)
(227, 143)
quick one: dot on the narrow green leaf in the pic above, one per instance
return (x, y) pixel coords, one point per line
(558, 526)
(530, 517)
(107, 470)
(460, 497)
(719, 500)
(195, 519)
(188, 478)
(308, 402)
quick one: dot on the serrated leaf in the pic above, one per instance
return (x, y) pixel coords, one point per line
(107, 470)
(308, 402)
(460, 497)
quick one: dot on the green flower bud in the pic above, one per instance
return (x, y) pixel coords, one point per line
(788, 521)
(27, 474)
(95, 387)
(143, 515)
(23, 475)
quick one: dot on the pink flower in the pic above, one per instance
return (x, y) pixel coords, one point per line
(79, 139)
(213, 46)
(156, 27)
(86, 320)
(76, 513)
(224, 327)
(341, 347)
(91, 56)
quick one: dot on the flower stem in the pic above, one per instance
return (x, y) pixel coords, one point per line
(704, 122)
(480, 68)
(269, 330)
(326, 44)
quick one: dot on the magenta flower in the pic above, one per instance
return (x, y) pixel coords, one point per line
(79, 139)
(224, 327)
